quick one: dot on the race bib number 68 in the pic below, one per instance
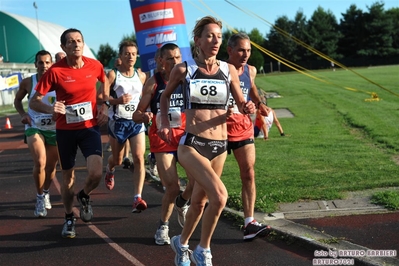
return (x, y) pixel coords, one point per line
(208, 91)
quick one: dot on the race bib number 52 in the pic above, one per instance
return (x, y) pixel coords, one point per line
(44, 122)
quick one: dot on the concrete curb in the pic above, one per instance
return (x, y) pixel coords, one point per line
(322, 208)
(317, 240)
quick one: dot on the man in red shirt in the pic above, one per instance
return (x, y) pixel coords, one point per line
(78, 112)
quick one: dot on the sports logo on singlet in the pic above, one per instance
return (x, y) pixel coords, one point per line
(51, 100)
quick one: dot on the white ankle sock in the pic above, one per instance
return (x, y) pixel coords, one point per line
(248, 220)
(200, 249)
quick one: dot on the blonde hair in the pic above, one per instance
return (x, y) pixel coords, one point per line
(199, 28)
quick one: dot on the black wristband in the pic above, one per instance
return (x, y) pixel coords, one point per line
(107, 104)
(282, 134)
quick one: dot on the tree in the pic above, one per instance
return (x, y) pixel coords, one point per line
(105, 54)
(298, 30)
(132, 37)
(393, 13)
(322, 34)
(353, 32)
(256, 58)
(379, 27)
(279, 38)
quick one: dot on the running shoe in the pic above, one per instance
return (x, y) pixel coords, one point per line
(154, 170)
(47, 203)
(109, 180)
(40, 210)
(201, 258)
(182, 257)
(162, 235)
(254, 229)
(86, 212)
(153, 165)
(68, 231)
(181, 213)
(126, 163)
(108, 147)
(139, 205)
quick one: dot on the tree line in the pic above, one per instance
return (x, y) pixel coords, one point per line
(361, 38)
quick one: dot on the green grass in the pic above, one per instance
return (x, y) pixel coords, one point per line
(389, 199)
(336, 142)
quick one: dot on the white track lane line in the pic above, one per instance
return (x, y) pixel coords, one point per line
(101, 234)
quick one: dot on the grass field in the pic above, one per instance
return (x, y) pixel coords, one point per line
(338, 140)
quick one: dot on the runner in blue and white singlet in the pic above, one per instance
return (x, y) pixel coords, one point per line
(125, 93)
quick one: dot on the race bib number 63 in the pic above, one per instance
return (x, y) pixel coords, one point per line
(126, 110)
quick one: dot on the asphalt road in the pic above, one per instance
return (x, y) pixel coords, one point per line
(115, 236)
(374, 231)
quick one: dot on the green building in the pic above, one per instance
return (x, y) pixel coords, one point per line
(22, 37)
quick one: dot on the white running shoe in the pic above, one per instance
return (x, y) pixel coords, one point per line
(181, 213)
(40, 210)
(162, 235)
(47, 203)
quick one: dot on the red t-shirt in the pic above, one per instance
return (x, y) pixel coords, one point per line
(75, 87)
(239, 127)
(157, 144)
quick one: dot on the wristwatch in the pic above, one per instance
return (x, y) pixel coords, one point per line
(107, 103)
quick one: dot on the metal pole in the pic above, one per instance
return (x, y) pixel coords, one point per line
(5, 42)
(37, 23)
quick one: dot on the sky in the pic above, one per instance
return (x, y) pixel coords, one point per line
(108, 21)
